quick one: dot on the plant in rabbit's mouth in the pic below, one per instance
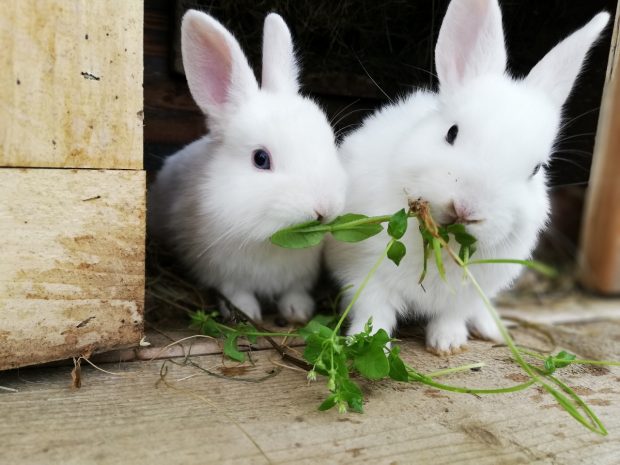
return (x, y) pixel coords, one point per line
(374, 356)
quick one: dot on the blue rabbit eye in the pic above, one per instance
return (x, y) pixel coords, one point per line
(262, 159)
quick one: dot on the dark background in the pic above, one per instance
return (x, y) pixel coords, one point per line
(344, 46)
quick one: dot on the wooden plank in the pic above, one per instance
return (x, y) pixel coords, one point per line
(202, 419)
(600, 257)
(72, 266)
(71, 83)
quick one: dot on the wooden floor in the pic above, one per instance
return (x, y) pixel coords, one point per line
(268, 413)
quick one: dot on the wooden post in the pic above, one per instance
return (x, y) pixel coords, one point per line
(72, 188)
(600, 240)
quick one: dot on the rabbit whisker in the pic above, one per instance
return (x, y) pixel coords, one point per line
(372, 80)
(331, 121)
(572, 120)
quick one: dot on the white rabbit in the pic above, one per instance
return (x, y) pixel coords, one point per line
(269, 161)
(476, 151)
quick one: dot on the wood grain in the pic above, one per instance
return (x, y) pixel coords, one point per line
(600, 251)
(72, 266)
(71, 83)
(201, 419)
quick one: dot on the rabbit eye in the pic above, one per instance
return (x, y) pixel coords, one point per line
(536, 170)
(262, 159)
(452, 133)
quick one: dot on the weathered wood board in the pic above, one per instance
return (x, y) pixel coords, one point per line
(71, 83)
(600, 257)
(72, 262)
(134, 418)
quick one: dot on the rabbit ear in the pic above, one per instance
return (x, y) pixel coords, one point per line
(279, 64)
(217, 71)
(557, 72)
(470, 43)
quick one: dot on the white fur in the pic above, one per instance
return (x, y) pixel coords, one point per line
(211, 203)
(506, 128)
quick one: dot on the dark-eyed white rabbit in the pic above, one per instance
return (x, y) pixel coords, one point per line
(476, 151)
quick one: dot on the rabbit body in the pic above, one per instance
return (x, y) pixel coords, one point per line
(475, 151)
(269, 161)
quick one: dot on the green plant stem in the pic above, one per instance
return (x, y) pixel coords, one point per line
(360, 289)
(360, 222)
(602, 430)
(541, 268)
(415, 376)
(573, 404)
(351, 224)
(578, 361)
(537, 375)
(449, 371)
(254, 333)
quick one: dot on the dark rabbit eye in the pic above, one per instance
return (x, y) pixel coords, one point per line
(262, 159)
(452, 133)
(536, 170)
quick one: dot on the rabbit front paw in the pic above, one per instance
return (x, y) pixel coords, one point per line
(296, 306)
(446, 336)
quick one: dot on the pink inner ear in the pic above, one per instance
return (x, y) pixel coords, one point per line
(469, 38)
(211, 71)
(218, 68)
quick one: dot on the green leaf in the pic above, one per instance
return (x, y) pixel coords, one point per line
(549, 365)
(230, 348)
(426, 235)
(427, 253)
(381, 338)
(396, 252)
(373, 363)
(205, 323)
(357, 233)
(356, 403)
(293, 238)
(315, 326)
(351, 393)
(461, 235)
(466, 251)
(244, 328)
(438, 260)
(328, 321)
(398, 370)
(397, 225)
(348, 218)
(564, 359)
(328, 403)
(313, 349)
(443, 233)
(456, 228)
(465, 239)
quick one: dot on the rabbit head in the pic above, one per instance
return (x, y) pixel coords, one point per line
(479, 154)
(273, 161)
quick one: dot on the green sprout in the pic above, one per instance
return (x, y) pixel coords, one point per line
(375, 356)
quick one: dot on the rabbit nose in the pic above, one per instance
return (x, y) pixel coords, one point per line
(319, 215)
(459, 212)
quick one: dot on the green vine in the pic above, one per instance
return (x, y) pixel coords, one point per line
(373, 355)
